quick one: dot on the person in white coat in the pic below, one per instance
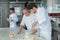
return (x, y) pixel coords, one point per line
(42, 21)
(27, 20)
(12, 20)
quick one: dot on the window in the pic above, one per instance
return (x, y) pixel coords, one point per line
(56, 5)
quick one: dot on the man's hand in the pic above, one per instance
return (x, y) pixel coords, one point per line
(34, 24)
(33, 31)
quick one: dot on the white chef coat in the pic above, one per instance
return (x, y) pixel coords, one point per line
(13, 17)
(43, 19)
(44, 23)
(28, 20)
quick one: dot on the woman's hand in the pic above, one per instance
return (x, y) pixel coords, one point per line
(9, 20)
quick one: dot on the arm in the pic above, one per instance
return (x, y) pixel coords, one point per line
(12, 18)
(8, 20)
(33, 31)
(21, 25)
(21, 28)
(34, 23)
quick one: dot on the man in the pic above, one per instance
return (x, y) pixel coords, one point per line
(27, 20)
(42, 21)
(12, 21)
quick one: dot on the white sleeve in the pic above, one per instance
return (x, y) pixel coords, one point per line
(41, 16)
(15, 18)
(23, 21)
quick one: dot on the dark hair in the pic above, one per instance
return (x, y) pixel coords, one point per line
(12, 9)
(25, 8)
(30, 6)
